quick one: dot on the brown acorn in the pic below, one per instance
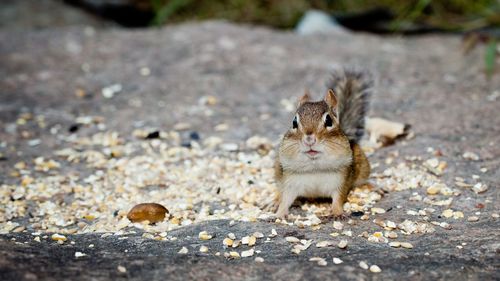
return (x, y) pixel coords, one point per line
(151, 212)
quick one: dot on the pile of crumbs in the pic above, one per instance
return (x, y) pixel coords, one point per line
(91, 185)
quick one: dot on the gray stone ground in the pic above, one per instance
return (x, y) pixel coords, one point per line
(423, 81)
(40, 14)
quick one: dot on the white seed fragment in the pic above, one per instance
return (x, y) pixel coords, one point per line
(338, 225)
(58, 237)
(292, 239)
(204, 249)
(122, 269)
(347, 233)
(458, 215)
(433, 190)
(395, 244)
(448, 213)
(363, 265)
(183, 251)
(337, 261)
(259, 259)
(391, 234)
(342, 244)
(248, 240)
(231, 236)
(323, 244)
(375, 269)
(377, 211)
(234, 255)
(247, 253)
(479, 188)
(472, 219)
(406, 245)
(273, 233)
(110, 91)
(320, 261)
(79, 254)
(227, 242)
(236, 243)
(204, 235)
(470, 156)
(390, 224)
(258, 235)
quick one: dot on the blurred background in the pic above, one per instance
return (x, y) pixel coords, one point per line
(478, 21)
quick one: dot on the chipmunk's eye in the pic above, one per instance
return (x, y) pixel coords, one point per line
(295, 124)
(328, 121)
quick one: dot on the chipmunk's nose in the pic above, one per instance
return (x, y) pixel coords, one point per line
(309, 140)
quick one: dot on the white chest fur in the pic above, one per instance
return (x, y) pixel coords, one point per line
(325, 184)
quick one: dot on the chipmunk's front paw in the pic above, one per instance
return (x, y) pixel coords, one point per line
(270, 206)
(338, 213)
(338, 217)
(341, 217)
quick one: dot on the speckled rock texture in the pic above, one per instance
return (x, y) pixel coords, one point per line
(422, 81)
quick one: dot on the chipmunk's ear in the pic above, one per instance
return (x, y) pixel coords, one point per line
(331, 99)
(305, 98)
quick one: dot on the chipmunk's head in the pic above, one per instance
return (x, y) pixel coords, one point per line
(315, 136)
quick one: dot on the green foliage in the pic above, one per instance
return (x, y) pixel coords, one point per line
(490, 56)
(164, 10)
(443, 14)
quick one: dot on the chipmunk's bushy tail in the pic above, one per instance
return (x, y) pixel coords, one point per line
(353, 89)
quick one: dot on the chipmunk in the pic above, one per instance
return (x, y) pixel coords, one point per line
(320, 155)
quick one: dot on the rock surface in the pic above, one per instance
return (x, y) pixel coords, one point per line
(422, 81)
(41, 14)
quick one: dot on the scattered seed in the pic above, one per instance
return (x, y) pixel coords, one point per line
(122, 269)
(58, 237)
(470, 156)
(248, 240)
(377, 211)
(479, 188)
(247, 253)
(395, 244)
(323, 244)
(292, 239)
(363, 265)
(338, 225)
(79, 254)
(258, 235)
(227, 242)
(391, 234)
(234, 255)
(375, 269)
(319, 261)
(337, 261)
(342, 244)
(472, 219)
(406, 245)
(204, 235)
(183, 251)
